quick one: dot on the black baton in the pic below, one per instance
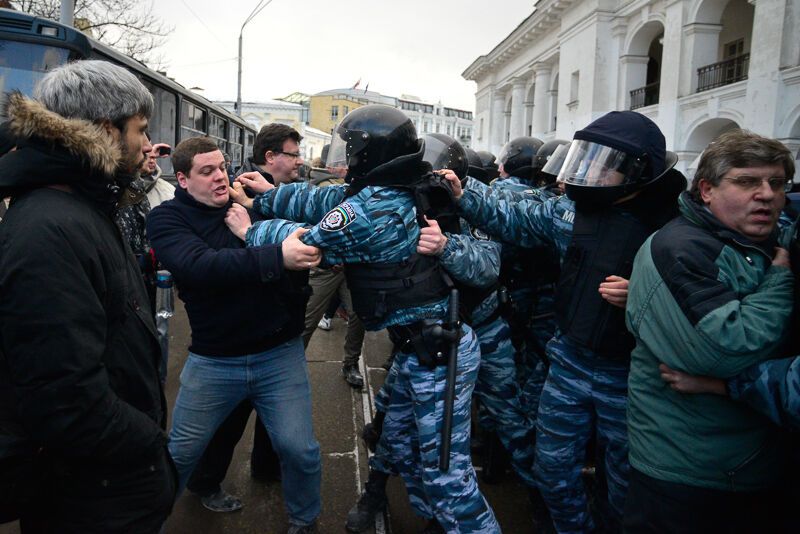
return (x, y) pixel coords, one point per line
(453, 334)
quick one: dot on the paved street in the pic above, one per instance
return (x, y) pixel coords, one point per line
(339, 414)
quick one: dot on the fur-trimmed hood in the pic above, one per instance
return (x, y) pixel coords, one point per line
(52, 149)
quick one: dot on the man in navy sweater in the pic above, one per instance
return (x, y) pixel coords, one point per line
(246, 309)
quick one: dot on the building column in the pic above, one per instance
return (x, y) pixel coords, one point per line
(518, 108)
(541, 98)
(497, 122)
(634, 73)
(702, 46)
(764, 85)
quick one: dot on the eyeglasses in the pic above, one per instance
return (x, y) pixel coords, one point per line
(293, 155)
(751, 183)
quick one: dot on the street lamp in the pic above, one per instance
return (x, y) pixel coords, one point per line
(256, 10)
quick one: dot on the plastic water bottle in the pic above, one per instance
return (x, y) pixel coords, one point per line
(165, 305)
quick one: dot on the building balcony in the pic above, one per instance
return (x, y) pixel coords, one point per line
(645, 96)
(723, 73)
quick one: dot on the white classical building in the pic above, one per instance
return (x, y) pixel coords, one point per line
(696, 67)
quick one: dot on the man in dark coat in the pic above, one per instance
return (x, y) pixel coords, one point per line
(82, 413)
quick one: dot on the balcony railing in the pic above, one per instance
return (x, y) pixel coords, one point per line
(723, 73)
(645, 96)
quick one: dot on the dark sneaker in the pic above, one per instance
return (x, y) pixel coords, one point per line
(361, 517)
(221, 501)
(432, 527)
(352, 376)
(303, 529)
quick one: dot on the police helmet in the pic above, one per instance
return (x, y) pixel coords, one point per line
(371, 136)
(444, 152)
(488, 160)
(475, 168)
(616, 155)
(548, 161)
(517, 157)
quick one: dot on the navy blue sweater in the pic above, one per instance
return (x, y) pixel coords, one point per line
(239, 300)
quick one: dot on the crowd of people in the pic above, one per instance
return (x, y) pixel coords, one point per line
(629, 335)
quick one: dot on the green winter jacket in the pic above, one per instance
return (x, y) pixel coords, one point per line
(705, 300)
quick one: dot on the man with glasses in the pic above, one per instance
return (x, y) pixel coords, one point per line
(710, 294)
(276, 154)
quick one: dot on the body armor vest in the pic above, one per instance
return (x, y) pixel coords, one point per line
(604, 243)
(378, 289)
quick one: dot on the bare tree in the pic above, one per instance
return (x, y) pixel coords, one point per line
(130, 26)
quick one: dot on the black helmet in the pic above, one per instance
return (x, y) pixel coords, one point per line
(548, 161)
(476, 169)
(517, 157)
(489, 164)
(444, 152)
(616, 155)
(371, 136)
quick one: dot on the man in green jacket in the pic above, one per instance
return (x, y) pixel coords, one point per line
(710, 294)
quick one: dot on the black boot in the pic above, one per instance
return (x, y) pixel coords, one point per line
(495, 459)
(433, 527)
(372, 502)
(542, 522)
(372, 431)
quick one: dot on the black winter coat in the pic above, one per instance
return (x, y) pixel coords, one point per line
(79, 355)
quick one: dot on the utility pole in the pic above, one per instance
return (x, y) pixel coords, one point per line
(256, 10)
(67, 13)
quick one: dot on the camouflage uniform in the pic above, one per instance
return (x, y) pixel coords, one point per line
(473, 258)
(534, 304)
(772, 388)
(582, 389)
(378, 225)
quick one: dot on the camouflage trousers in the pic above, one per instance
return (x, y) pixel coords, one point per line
(498, 396)
(540, 331)
(583, 391)
(411, 440)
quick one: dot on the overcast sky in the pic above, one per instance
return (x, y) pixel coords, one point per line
(417, 47)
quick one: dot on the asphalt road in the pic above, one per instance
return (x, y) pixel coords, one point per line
(339, 414)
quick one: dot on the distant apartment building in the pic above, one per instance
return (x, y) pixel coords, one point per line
(329, 107)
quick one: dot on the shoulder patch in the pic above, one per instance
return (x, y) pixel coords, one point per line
(479, 234)
(338, 218)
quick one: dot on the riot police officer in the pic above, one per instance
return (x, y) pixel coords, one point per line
(370, 225)
(611, 171)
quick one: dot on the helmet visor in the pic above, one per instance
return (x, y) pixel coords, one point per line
(344, 145)
(437, 153)
(591, 164)
(509, 151)
(556, 161)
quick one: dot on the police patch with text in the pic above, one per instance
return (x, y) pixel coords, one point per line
(338, 218)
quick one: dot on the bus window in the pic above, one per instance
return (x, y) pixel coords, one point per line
(24, 64)
(235, 144)
(192, 119)
(162, 123)
(216, 130)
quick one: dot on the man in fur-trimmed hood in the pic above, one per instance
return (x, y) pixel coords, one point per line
(82, 445)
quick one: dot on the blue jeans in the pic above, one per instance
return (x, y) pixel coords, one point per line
(276, 383)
